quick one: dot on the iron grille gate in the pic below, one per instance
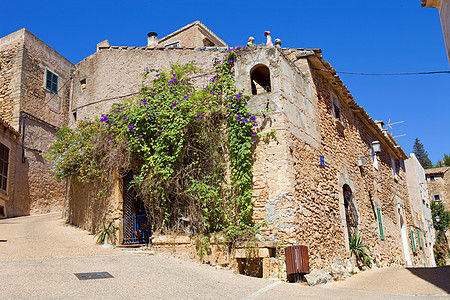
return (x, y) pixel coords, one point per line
(136, 222)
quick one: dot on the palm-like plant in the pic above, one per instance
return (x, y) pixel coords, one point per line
(360, 249)
(107, 232)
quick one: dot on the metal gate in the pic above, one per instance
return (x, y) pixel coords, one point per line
(136, 222)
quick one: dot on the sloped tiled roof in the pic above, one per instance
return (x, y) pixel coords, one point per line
(9, 127)
(437, 170)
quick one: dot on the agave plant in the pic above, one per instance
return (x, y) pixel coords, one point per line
(360, 249)
(107, 232)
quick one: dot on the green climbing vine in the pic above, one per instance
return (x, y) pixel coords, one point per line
(189, 148)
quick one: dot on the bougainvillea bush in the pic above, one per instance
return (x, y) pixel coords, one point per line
(189, 148)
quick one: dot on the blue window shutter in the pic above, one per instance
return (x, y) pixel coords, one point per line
(380, 223)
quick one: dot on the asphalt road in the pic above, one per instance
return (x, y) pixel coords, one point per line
(41, 256)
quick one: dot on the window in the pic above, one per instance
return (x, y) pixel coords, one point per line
(437, 198)
(176, 44)
(394, 168)
(52, 82)
(83, 84)
(4, 158)
(336, 110)
(413, 242)
(380, 223)
(260, 79)
(431, 178)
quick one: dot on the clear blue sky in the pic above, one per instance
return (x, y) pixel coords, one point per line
(356, 36)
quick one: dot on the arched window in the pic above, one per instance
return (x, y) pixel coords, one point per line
(351, 215)
(260, 79)
(207, 42)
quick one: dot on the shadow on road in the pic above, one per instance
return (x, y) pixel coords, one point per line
(438, 276)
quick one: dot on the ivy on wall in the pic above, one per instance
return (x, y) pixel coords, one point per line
(189, 148)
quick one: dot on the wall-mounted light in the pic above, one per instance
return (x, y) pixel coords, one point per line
(376, 146)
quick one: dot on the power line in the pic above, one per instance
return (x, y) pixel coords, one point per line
(385, 74)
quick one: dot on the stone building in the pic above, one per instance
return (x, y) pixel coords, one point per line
(326, 171)
(444, 15)
(10, 150)
(34, 100)
(420, 207)
(438, 181)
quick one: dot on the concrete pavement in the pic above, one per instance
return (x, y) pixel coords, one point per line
(41, 256)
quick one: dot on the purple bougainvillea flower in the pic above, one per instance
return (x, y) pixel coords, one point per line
(252, 118)
(198, 118)
(164, 89)
(174, 104)
(255, 125)
(238, 119)
(230, 60)
(254, 141)
(254, 134)
(231, 97)
(244, 120)
(239, 96)
(124, 118)
(158, 114)
(206, 87)
(139, 137)
(157, 75)
(160, 130)
(110, 139)
(239, 115)
(132, 130)
(211, 93)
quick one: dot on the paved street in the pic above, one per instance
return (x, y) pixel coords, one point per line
(41, 255)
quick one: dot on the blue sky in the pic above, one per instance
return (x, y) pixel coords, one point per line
(355, 36)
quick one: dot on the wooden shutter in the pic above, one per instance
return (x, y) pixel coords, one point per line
(413, 244)
(418, 238)
(380, 223)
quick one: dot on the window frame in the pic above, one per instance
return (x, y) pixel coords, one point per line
(51, 81)
(176, 44)
(4, 168)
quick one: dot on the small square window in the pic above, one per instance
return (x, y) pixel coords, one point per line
(83, 84)
(437, 198)
(52, 82)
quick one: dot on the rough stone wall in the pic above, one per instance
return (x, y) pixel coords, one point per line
(444, 14)
(86, 210)
(301, 201)
(420, 205)
(9, 57)
(440, 186)
(189, 38)
(115, 73)
(25, 60)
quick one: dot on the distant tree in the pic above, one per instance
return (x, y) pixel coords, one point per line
(421, 154)
(446, 160)
(440, 249)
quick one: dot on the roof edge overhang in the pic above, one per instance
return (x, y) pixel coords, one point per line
(324, 68)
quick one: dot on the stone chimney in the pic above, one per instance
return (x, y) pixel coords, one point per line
(152, 39)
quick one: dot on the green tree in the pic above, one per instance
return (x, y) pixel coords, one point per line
(440, 249)
(421, 154)
(446, 160)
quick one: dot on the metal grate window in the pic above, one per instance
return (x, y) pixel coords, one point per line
(52, 82)
(4, 158)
